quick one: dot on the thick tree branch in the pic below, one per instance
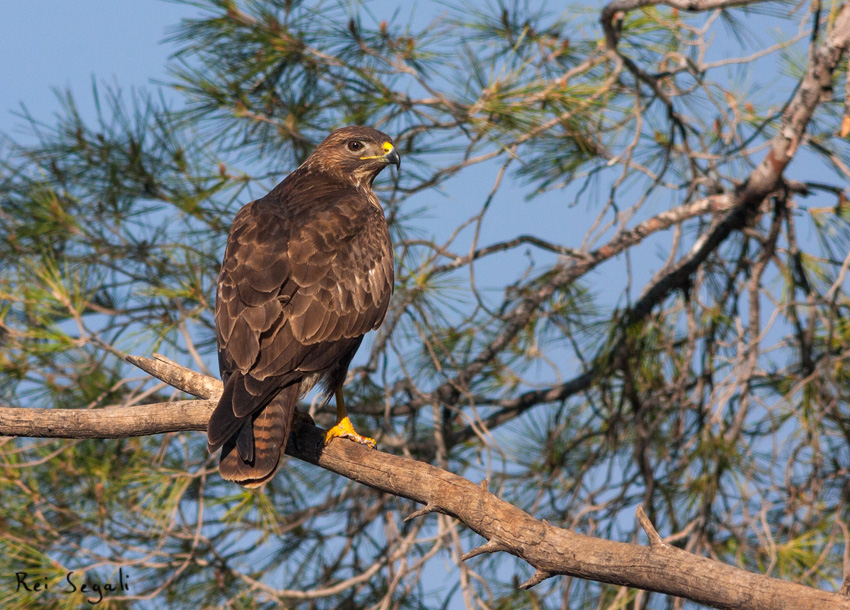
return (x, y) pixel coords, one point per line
(112, 422)
(550, 550)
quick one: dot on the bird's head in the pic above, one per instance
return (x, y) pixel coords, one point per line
(355, 154)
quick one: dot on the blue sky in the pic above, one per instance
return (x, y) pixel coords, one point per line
(49, 44)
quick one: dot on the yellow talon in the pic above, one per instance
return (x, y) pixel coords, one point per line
(344, 429)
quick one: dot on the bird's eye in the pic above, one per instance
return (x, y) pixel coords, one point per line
(354, 145)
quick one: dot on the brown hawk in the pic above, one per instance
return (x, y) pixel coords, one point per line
(308, 270)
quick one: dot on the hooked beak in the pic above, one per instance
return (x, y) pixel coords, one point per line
(393, 158)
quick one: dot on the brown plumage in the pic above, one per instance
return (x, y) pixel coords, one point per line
(308, 270)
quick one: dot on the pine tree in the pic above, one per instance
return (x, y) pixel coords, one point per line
(622, 240)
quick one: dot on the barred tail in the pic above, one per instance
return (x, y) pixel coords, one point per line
(251, 453)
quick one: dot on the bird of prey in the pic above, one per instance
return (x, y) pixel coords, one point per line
(308, 270)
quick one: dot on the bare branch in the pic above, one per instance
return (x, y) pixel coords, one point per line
(186, 380)
(491, 546)
(538, 577)
(111, 422)
(654, 538)
(427, 510)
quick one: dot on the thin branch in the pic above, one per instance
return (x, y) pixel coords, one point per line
(655, 538)
(491, 546)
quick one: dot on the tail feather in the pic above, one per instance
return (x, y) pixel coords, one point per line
(252, 455)
(223, 424)
(245, 442)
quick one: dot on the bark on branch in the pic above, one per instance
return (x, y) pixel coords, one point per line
(549, 550)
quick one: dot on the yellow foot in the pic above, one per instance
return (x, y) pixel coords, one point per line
(344, 429)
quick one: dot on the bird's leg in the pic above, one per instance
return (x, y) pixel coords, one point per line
(343, 425)
(299, 419)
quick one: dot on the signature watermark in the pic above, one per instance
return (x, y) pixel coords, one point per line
(71, 584)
